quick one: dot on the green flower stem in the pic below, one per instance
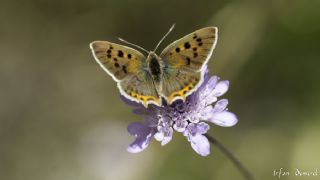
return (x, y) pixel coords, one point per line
(233, 159)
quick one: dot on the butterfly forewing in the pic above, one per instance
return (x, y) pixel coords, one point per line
(127, 67)
(115, 59)
(192, 51)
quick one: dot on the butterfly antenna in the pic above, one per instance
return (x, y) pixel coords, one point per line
(164, 37)
(139, 47)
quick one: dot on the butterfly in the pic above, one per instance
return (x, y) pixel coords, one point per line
(175, 74)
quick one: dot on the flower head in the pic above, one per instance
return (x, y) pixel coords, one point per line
(190, 117)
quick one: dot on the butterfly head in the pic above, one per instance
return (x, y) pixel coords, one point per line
(152, 55)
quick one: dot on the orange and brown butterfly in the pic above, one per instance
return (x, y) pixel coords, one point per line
(173, 75)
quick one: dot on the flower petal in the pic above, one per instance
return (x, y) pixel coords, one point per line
(180, 125)
(200, 144)
(220, 105)
(206, 73)
(167, 136)
(197, 128)
(140, 143)
(221, 88)
(143, 136)
(139, 111)
(206, 112)
(164, 134)
(166, 140)
(212, 82)
(208, 93)
(225, 119)
(206, 88)
(137, 128)
(192, 129)
(159, 136)
(202, 127)
(210, 99)
(150, 121)
(128, 101)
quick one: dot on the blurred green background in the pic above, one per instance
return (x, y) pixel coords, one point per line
(61, 116)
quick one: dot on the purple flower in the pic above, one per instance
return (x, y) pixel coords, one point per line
(189, 118)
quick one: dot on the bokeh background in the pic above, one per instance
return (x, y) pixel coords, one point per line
(61, 116)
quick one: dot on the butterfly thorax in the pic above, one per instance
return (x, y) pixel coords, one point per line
(154, 67)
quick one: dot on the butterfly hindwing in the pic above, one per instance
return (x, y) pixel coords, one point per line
(179, 83)
(127, 67)
(192, 51)
(140, 87)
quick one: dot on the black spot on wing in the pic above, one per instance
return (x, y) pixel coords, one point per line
(177, 49)
(187, 45)
(188, 60)
(124, 68)
(120, 53)
(194, 36)
(195, 55)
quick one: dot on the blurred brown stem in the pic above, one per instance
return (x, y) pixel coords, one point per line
(234, 160)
